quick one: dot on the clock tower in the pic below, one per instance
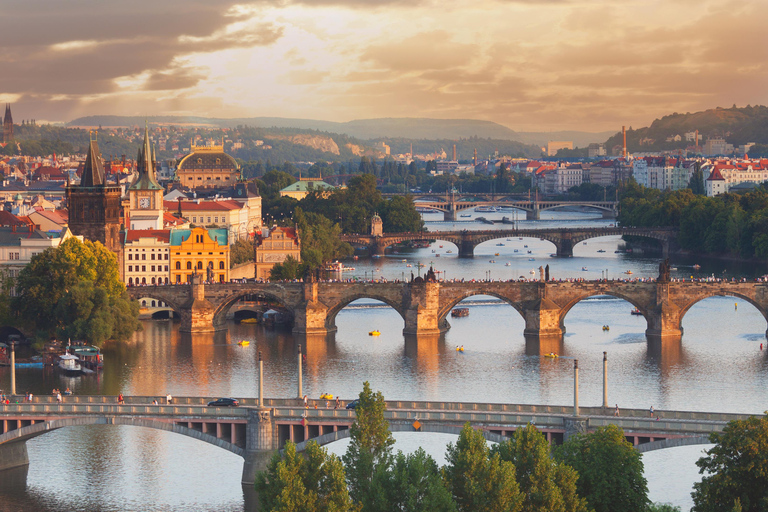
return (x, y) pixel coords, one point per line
(145, 194)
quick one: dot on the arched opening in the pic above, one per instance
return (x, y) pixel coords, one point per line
(500, 322)
(604, 247)
(257, 307)
(189, 265)
(362, 316)
(519, 252)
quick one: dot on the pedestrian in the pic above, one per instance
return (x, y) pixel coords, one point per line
(338, 403)
(120, 400)
(154, 402)
(58, 397)
(306, 402)
(651, 411)
(616, 412)
(168, 398)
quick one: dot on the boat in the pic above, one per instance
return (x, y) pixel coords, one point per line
(243, 343)
(584, 269)
(448, 251)
(551, 355)
(459, 312)
(485, 209)
(465, 215)
(70, 364)
(90, 357)
(403, 261)
(601, 250)
(696, 267)
(509, 239)
(441, 246)
(515, 250)
(29, 364)
(491, 261)
(636, 312)
(507, 264)
(249, 321)
(460, 349)
(374, 333)
(326, 396)
(338, 266)
(628, 272)
(495, 254)
(500, 244)
(532, 272)
(484, 220)
(606, 328)
(524, 245)
(409, 265)
(529, 252)
(531, 259)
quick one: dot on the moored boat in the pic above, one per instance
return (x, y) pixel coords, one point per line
(70, 364)
(636, 312)
(459, 312)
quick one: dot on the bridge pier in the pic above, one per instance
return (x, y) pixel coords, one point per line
(574, 425)
(664, 320)
(13, 455)
(543, 318)
(199, 315)
(312, 318)
(564, 248)
(450, 215)
(466, 246)
(261, 443)
(423, 313)
(533, 214)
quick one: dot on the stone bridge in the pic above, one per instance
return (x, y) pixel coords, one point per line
(425, 306)
(563, 239)
(452, 204)
(255, 431)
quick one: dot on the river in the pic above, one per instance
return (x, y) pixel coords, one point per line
(718, 367)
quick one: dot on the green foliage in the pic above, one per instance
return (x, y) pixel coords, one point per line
(413, 484)
(735, 470)
(370, 450)
(610, 470)
(320, 239)
(662, 507)
(241, 252)
(478, 480)
(290, 268)
(546, 485)
(74, 291)
(294, 483)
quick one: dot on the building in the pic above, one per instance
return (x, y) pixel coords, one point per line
(146, 258)
(596, 150)
(377, 225)
(49, 221)
(302, 188)
(207, 167)
(199, 251)
(145, 195)
(273, 246)
(235, 216)
(7, 124)
(554, 146)
(446, 166)
(717, 146)
(94, 205)
(18, 246)
(723, 175)
(560, 179)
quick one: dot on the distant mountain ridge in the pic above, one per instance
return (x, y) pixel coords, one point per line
(366, 129)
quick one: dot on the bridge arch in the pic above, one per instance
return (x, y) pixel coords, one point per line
(154, 293)
(446, 307)
(38, 429)
(335, 309)
(723, 293)
(672, 443)
(616, 293)
(220, 314)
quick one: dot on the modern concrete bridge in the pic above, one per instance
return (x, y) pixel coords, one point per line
(425, 305)
(452, 204)
(563, 239)
(254, 432)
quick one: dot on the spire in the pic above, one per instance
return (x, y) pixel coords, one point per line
(145, 166)
(93, 171)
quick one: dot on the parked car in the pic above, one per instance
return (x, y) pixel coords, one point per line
(353, 404)
(224, 402)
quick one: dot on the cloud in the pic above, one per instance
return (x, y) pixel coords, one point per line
(427, 50)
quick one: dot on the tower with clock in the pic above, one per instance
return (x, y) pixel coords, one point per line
(145, 194)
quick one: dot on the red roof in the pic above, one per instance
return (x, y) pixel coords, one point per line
(133, 235)
(716, 175)
(9, 219)
(204, 206)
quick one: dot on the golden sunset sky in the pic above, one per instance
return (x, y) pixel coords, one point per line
(532, 65)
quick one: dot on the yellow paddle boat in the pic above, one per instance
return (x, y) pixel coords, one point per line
(552, 355)
(326, 396)
(243, 343)
(606, 328)
(460, 349)
(374, 333)
(249, 321)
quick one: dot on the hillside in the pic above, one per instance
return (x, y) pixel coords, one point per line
(410, 128)
(736, 125)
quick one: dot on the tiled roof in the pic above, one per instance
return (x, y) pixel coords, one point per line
(203, 206)
(303, 186)
(207, 160)
(133, 235)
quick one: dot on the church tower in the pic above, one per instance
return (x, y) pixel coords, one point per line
(94, 205)
(8, 124)
(145, 194)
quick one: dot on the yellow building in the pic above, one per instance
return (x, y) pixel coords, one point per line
(199, 250)
(274, 246)
(208, 166)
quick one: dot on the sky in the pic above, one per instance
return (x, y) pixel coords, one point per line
(531, 65)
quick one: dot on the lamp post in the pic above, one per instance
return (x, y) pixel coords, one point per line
(261, 381)
(575, 387)
(13, 367)
(605, 380)
(301, 391)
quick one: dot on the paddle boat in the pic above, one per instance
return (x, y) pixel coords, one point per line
(374, 333)
(636, 312)
(326, 396)
(551, 355)
(243, 343)
(249, 321)
(460, 349)
(606, 328)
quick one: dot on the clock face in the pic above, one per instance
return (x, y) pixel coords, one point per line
(143, 202)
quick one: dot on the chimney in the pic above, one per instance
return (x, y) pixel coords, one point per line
(454, 153)
(13, 228)
(697, 138)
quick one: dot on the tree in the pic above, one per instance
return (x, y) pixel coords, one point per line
(478, 480)
(241, 252)
(735, 469)
(74, 291)
(290, 268)
(294, 483)
(414, 484)
(610, 470)
(370, 449)
(546, 485)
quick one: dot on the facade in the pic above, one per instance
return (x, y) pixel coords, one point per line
(596, 150)
(94, 205)
(147, 257)
(234, 216)
(199, 251)
(304, 186)
(145, 195)
(717, 146)
(7, 124)
(18, 246)
(273, 246)
(724, 175)
(207, 167)
(560, 179)
(377, 225)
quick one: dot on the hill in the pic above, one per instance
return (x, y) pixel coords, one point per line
(410, 128)
(736, 125)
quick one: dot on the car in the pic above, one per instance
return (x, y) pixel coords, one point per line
(224, 402)
(353, 404)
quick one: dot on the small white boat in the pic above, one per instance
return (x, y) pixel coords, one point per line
(532, 272)
(507, 264)
(465, 215)
(584, 269)
(70, 364)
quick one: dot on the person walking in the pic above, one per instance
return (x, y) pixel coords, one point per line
(168, 398)
(616, 412)
(651, 410)
(120, 400)
(338, 403)
(306, 402)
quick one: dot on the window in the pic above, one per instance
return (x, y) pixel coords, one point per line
(189, 265)
(13, 256)
(178, 265)
(152, 270)
(130, 281)
(178, 278)
(143, 257)
(200, 265)
(166, 268)
(143, 268)
(144, 281)
(166, 256)
(153, 257)
(130, 257)
(130, 268)
(221, 265)
(216, 220)
(153, 282)
(166, 280)
(209, 220)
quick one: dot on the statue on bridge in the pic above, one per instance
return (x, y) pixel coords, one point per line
(546, 273)
(664, 271)
(430, 276)
(541, 273)
(209, 272)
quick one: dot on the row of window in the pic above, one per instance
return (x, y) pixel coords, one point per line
(179, 281)
(144, 250)
(199, 178)
(152, 268)
(199, 266)
(203, 221)
(144, 257)
(159, 280)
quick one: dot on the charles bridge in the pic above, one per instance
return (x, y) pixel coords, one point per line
(424, 304)
(466, 241)
(260, 426)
